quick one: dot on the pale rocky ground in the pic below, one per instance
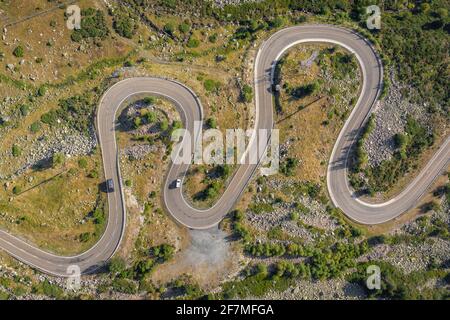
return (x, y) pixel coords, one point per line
(390, 119)
(335, 289)
(316, 217)
(410, 257)
(222, 3)
(210, 256)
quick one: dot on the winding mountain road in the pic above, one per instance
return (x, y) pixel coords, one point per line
(190, 109)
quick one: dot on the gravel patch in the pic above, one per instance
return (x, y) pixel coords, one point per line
(208, 246)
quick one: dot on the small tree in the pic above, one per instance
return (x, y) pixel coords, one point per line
(400, 140)
(211, 123)
(98, 216)
(169, 28)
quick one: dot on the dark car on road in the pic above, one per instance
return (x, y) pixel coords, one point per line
(110, 185)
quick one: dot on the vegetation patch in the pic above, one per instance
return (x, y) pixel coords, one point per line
(93, 25)
(383, 177)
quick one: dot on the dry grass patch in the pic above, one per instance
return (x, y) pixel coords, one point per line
(49, 53)
(53, 208)
(311, 124)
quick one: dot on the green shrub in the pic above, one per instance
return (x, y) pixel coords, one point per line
(16, 151)
(143, 268)
(332, 262)
(24, 109)
(213, 38)
(124, 286)
(265, 249)
(241, 231)
(163, 252)
(211, 123)
(185, 27)
(35, 127)
(116, 265)
(262, 270)
(169, 28)
(150, 117)
(275, 233)
(93, 174)
(18, 51)
(288, 166)
(16, 190)
(125, 25)
(83, 163)
(76, 111)
(399, 286)
(50, 118)
(57, 159)
(211, 85)
(247, 93)
(42, 90)
(261, 207)
(176, 124)
(277, 22)
(294, 216)
(149, 100)
(137, 122)
(99, 216)
(300, 207)
(48, 289)
(342, 64)
(193, 43)
(411, 145)
(85, 237)
(305, 90)
(164, 125)
(4, 295)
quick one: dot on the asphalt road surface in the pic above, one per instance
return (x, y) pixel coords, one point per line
(190, 109)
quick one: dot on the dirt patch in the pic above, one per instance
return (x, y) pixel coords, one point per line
(133, 225)
(209, 259)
